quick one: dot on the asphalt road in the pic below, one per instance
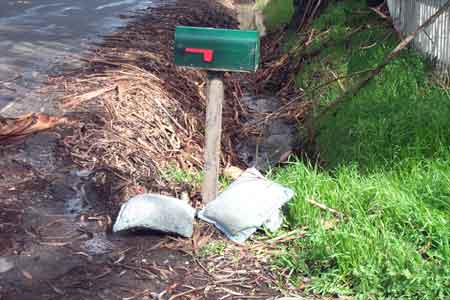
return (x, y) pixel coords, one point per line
(38, 37)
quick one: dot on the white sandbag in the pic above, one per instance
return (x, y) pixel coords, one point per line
(246, 205)
(156, 212)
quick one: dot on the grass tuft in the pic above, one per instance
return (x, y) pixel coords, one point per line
(177, 175)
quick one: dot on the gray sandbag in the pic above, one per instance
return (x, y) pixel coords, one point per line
(246, 205)
(156, 212)
(275, 221)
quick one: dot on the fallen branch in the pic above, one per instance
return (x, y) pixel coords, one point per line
(14, 128)
(348, 76)
(296, 234)
(380, 13)
(393, 54)
(377, 10)
(310, 12)
(194, 290)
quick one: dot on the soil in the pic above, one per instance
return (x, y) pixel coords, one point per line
(53, 246)
(56, 242)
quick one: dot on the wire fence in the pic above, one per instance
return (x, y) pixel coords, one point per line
(434, 41)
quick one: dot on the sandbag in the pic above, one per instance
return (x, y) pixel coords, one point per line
(246, 205)
(275, 221)
(156, 212)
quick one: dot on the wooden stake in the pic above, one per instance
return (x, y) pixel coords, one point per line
(213, 135)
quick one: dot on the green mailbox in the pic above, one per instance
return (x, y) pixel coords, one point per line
(217, 49)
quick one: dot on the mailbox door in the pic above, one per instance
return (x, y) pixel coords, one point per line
(217, 49)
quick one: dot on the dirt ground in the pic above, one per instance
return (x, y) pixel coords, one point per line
(50, 249)
(56, 242)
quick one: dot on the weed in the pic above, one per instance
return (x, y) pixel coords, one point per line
(212, 248)
(176, 175)
(181, 176)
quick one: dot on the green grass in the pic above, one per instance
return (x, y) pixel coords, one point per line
(277, 13)
(386, 167)
(176, 175)
(393, 242)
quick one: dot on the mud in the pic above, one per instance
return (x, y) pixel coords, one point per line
(276, 140)
(52, 249)
(50, 252)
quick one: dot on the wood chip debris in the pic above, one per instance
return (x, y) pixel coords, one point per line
(141, 113)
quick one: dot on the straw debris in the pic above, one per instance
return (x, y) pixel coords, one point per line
(141, 114)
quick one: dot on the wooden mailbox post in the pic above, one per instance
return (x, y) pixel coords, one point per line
(218, 51)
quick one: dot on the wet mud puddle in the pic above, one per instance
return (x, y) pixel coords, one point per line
(42, 37)
(276, 139)
(54, 238)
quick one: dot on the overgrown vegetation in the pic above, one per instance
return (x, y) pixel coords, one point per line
(385, 166)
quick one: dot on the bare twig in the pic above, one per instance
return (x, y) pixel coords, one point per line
(194, 290)
(324, 207)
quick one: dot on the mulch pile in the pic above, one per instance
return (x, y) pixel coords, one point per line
(141, 113)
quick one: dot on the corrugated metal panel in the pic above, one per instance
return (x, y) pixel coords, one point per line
(434, 41)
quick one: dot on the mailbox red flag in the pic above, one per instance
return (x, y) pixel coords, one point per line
(208, 54)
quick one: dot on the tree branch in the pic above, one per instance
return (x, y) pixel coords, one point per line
(393, 54)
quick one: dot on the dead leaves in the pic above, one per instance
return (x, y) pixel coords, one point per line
(15, 128)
